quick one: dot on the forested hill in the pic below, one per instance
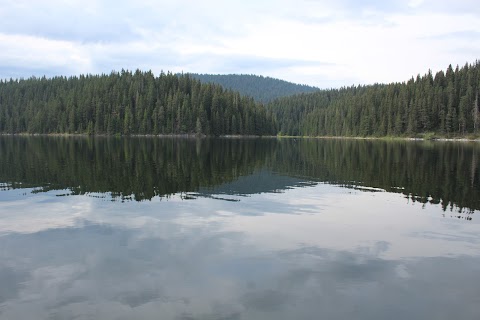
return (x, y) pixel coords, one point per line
(262, 89)
(444, 104)
(140, 103)
(128, 103)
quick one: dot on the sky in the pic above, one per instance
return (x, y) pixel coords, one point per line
(328, 44)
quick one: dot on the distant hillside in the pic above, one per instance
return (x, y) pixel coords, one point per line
(262, 89)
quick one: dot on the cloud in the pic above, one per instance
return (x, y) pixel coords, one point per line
(447, 7)
(79, 21)
(468, 35)
(247, 64)
(23, 52)
(315, 42)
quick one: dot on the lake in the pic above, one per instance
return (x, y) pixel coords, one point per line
(169, 228)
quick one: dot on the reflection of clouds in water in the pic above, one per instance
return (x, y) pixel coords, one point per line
(204, 273)
(471, 238)
(114, 266)
(346, 285)
(207, 259)
(10, 280)
(40, 212)
(402, 271)
(266, 300)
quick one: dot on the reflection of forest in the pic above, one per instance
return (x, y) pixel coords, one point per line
(428, 172)
(138, 167)
(141, 168)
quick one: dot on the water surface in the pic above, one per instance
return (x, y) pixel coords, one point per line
(148, 228)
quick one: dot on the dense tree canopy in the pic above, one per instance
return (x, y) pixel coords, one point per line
(446, 104)
(128, 103)
(262, 89)
(140, 103)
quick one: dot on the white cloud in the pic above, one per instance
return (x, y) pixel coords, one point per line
(341, 43)
(33, 53)
(415, 3)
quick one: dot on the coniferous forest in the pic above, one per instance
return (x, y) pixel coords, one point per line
(262, 89)
(445, 104)
(128, 103)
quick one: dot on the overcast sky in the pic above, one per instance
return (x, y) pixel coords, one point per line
(315, 42)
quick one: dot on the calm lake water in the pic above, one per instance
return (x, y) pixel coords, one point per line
(150, 228)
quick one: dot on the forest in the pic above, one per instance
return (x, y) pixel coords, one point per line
(128, 168)
(445, 104)
(128, 103)
(262, 89)
(125, 103)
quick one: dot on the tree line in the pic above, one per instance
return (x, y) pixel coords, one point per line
(128, 103)
(140, 103)
(445, 104)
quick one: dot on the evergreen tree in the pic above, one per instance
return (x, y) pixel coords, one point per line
(124, 103)
(444, 103)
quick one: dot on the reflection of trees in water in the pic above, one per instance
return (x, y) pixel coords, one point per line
(142, 168)
(128, 169)
(427, 172)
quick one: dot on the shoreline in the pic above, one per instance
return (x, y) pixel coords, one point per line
(196, 136)
(388, 138)
(104, 135)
